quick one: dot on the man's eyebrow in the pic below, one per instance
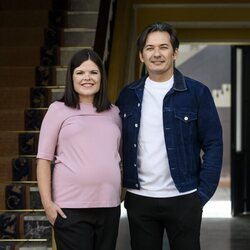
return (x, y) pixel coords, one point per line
(160, 45)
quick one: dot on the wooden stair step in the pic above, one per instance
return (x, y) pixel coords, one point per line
(66, 53)
(13, 143)
(17, 168)
(21, 37)
(59, 75)
(17, 76)
(11, 119)
(26, 5)
(28, 142)
(41, 97)
(81, 19)
(14, 98)
(54, 75)
(19, 56)
(23, 168)
(86, 5)
(8, 143)
(33, 118)
(5, 164)
(77, 37)
(32, 18)
(13, 165)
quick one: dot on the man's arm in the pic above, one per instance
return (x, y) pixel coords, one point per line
(210, 134)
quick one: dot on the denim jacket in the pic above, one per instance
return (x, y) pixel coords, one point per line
(192, 131)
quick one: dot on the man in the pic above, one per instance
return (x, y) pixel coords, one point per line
(169, 120)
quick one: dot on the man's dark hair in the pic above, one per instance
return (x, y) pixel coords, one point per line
(163, 27)
(71, 97)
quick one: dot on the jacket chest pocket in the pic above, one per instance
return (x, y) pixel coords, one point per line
(186, 128)
(128, 122)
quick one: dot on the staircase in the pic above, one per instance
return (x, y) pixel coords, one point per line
(37, 40)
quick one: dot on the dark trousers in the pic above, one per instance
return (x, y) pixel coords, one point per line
(87, 229)
(149, 217)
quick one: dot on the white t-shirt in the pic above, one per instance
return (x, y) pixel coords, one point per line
(152, 161)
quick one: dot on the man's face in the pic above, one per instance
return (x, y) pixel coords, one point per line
(158, 56)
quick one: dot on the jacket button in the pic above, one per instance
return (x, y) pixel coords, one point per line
(186, 118)
(134, 164)
(134, 145)
(136, 125)
(138, 104)
(125, 115)
(136, 185)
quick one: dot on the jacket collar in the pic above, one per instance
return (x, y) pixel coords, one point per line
(179, 82)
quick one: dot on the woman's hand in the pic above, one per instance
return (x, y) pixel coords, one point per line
(44, 185)
(52, 211)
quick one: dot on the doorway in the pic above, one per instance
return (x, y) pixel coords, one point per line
(211, 65)
(240, 151)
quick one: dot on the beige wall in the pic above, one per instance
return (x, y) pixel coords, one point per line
(196, 22)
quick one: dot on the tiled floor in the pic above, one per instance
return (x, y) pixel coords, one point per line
(226, 233)
(219, 230)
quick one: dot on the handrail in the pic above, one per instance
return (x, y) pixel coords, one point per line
(104, 30)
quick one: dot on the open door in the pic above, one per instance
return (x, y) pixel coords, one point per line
(240, 137)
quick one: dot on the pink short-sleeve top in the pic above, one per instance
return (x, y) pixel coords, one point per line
(84, 145)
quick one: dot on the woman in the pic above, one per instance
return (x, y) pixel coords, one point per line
(81, 134)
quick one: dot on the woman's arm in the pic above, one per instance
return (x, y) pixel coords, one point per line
(44, 185)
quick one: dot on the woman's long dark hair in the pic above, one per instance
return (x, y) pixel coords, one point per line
(71, 97)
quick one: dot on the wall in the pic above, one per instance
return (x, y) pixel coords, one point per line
(227, 22)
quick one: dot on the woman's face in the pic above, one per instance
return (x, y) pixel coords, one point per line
(87, 80)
